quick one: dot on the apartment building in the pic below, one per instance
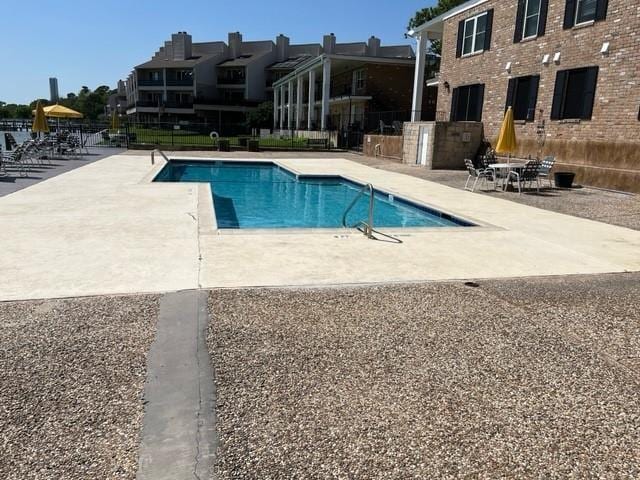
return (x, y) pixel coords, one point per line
(338, 87)
(569, 68)
(220, 82)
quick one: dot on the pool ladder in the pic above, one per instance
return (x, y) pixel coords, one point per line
(153, 156)
(367, 226)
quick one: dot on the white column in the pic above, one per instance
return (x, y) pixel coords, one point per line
(326, 91)
(281, 106)
(418, 79)
(275, 107)
(311, 110)
(290, 106)
(299, 89)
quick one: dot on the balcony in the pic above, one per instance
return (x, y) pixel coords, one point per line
(179, 82)
(241, 102)
(147, 103)
(231, 80)
(178, 104)
(150, 83)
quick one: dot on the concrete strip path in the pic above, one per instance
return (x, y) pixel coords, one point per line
(178, 437)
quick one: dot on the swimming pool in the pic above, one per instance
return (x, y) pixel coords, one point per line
(248, 195)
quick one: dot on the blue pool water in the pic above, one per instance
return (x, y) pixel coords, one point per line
(263, 195)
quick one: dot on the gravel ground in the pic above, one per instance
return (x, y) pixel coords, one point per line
(604, 206)
(73, 373)
(530, 378)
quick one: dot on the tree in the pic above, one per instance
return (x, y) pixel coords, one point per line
(261, 117)
(429, 13)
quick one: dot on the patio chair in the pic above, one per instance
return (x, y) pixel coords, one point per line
(545, 168)
(486, 175)
(529, 173)
(16, 158)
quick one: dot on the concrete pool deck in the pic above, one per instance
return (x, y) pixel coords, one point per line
(104, 229)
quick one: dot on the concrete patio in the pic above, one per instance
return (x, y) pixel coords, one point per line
(104, 229)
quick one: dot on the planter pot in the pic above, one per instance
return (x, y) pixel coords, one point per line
(564, 179)
(223, 145)
(253, 145)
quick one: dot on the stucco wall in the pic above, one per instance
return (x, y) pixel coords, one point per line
(390, 146)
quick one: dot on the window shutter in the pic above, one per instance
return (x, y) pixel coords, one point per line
(558, 95)
(601, 9)
(460, 39)
(570, 13)
(589, 92)
(542, 23)
(480, 98)
(487, 35)
(533, 98)
(511, 90)
(454, 104)
(517, 36)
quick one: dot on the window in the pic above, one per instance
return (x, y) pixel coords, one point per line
(474, 31)
(474, 34)
(358, 80)
(574, 94)
(579, 12)
(466, 103)
(522, 95)
(531, 19)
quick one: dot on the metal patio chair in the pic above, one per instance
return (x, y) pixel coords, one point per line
(545, 168)
(478, 174)
(527, 174)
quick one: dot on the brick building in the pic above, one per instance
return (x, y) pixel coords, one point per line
(569, 68)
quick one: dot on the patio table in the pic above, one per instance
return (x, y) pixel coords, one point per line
(505, 168)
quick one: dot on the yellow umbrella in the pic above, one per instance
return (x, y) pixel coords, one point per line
(507, 142)
(60, 111)
(40, 123)
(115, 121)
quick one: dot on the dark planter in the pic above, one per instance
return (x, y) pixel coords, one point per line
(564, 179)
(253, 145)
(242, 141)
(223, 145)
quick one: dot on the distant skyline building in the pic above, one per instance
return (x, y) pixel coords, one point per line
(54, 93)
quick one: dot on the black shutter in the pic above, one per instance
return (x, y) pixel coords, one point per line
(590, 83)
(517, 36)
(570, 13)
(558, 95)
(460, 39)
(487, 35)
(542, 23)
(533, 98)
(601, 9)
(511, 90)
(480, 100)
(454, 104)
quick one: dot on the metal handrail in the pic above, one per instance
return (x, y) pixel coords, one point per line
(368, 226)
(153, 156)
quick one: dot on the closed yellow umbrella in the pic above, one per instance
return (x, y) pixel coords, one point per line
(40, 123)
(507, 142)
(60, 111)
(115, 121)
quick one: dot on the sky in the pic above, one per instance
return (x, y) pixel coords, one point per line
(96, 43)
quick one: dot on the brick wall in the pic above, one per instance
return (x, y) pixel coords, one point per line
(614, 130)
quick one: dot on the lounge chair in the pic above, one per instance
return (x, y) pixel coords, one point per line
(545, 168)
(529, 173)
(486, 175)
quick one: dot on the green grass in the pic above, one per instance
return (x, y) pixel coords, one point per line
(195, 139)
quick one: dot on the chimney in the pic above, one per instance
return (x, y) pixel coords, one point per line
(282, 47)
(235, 44)
(329, 43)
(181, 43)
(373, 45)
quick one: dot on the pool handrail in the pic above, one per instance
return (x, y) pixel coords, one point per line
(368, 225)
(153, 156)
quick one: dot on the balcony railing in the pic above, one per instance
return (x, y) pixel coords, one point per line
(179, 82)
(147, 103)
(234, 80)
(240, 102)
(170, 104)
(150, 83)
